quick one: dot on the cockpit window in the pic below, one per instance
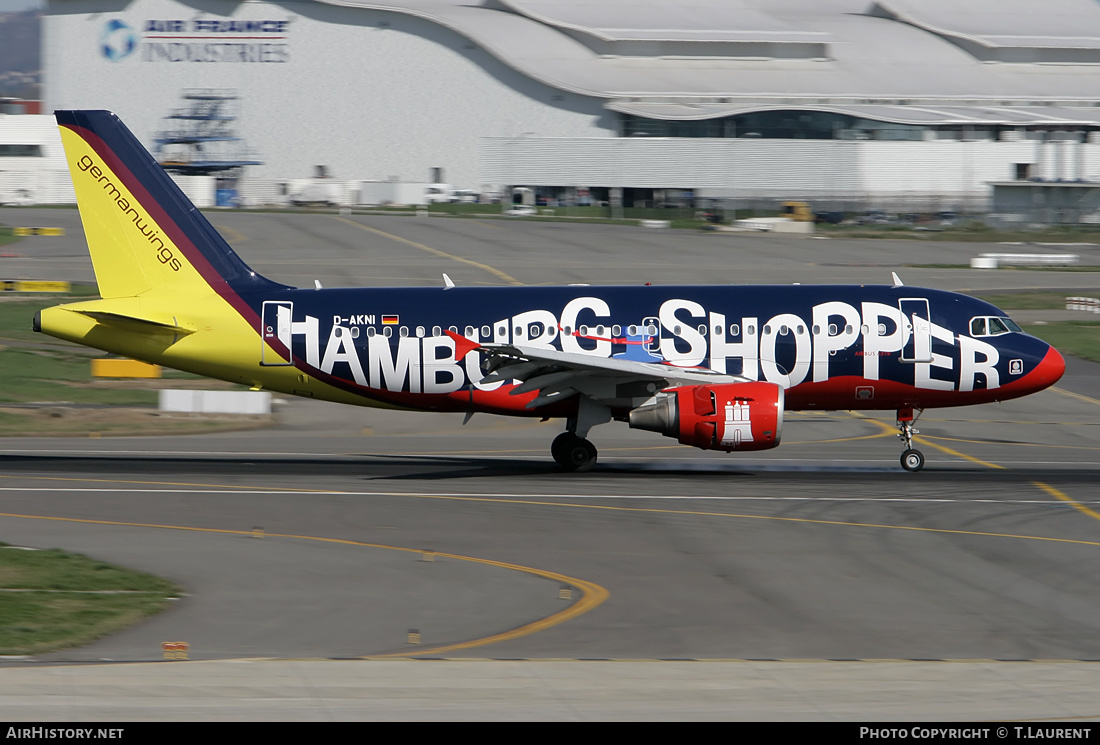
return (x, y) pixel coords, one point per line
(992, 326)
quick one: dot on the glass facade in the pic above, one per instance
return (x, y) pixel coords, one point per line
(20, 151)
(788, 124)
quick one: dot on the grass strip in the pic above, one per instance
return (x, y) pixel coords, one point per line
(52, 599)
(1079, 338)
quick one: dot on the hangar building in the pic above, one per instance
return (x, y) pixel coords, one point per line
(915, 103)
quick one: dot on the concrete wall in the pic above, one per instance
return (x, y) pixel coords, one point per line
(215, 402)
(46, 179)
(199, 189)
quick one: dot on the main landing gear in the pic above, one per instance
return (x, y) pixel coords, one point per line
(912, 459)
(573, 453)
(570, 449)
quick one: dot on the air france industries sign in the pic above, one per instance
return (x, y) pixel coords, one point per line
(196, 40)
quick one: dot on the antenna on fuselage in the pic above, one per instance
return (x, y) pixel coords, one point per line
(897, 280)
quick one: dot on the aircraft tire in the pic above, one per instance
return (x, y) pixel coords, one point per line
(912, 460)
(573, 453)
(560, 446)
(582, 456)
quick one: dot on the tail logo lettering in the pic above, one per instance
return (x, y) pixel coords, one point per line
(143, 223)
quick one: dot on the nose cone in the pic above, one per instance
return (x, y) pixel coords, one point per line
(1049, 370)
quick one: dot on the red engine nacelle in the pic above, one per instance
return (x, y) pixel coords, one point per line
(732, 416)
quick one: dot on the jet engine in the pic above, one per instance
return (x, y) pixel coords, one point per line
(731, 416)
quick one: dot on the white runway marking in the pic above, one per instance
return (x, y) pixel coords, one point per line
(511, 495)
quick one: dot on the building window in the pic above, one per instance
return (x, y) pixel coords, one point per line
(789, 124)
(20, 151)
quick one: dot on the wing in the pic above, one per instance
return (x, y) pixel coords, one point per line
(558, 375)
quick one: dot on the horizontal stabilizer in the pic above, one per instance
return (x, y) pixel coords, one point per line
(121, 319)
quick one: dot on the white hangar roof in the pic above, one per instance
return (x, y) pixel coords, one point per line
(910, 61)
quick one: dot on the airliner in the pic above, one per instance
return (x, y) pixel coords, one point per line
(715, 367)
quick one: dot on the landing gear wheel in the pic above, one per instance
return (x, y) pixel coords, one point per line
(573, 453)
(581, 457)
(560, 444)
(912, 460)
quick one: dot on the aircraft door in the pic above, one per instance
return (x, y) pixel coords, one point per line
(916, 318)
(275, 332)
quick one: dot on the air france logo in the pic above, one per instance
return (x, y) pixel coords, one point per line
(118, 40)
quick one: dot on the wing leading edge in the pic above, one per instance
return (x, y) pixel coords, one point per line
(556, 376)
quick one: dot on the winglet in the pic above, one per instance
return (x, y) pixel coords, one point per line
(463, 346)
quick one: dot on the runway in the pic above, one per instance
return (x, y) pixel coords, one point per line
(815, 581)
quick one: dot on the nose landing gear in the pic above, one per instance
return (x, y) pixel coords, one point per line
(912, 459)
